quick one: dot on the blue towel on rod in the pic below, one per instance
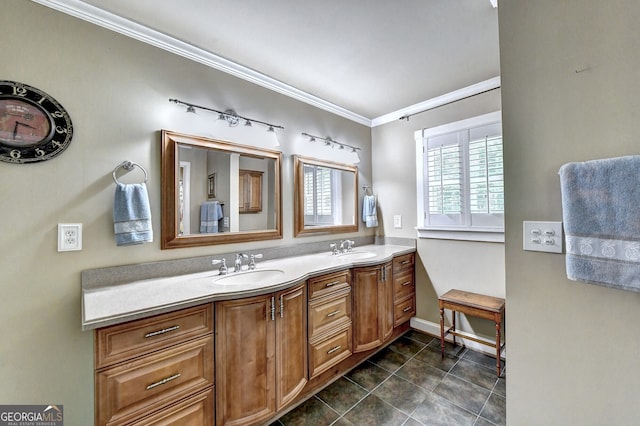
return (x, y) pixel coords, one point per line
(601, 221)
(132, 214)
(210, 214)
(369, 211)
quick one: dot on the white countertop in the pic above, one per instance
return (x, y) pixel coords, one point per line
(115, 304)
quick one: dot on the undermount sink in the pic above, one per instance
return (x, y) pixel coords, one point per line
(357, 255)
(249, 277)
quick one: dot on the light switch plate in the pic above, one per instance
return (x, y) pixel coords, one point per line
(542, 236)
(397, 221)
(69, 236)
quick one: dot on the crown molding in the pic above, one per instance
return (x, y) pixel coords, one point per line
(113, 22)
(155, 38)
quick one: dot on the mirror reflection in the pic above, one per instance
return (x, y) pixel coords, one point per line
(220, 192)
(326, 196)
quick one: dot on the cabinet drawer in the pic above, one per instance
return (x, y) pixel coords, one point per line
(147, 384)
(329, 312)
(325, 284)
(404, 310)
(405, 261)
(197, 410)
(328, 352)
(403, 285)
(124, 341)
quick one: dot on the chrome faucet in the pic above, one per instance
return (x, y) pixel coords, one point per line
(349, 244)
(238, 264)
(223, 268)
(252, 261)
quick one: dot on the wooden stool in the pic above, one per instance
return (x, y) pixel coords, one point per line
(478, 305)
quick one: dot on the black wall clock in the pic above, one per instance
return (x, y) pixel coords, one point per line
(33, 125)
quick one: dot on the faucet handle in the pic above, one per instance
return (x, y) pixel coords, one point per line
(350, 244)
(223, 268)
(252, 260)
(334, 248)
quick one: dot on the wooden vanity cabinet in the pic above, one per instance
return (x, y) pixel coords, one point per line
(330, 326)
(373, 308)
(404, 288)
(156, 370)
(261, 347)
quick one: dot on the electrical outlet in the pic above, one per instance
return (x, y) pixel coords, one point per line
(69, 236)
(542, 236)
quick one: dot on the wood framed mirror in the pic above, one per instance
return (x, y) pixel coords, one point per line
(326, 196)
(207, 198)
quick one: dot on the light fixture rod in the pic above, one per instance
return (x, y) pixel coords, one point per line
(226, 113)
(330, 141)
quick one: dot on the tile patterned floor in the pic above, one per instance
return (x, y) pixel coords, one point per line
(408, 383)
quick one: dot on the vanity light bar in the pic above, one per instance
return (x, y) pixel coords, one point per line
(330, 142)
(229, 115)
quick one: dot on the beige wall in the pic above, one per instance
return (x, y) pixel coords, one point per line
(573, 348)
(442, 264)
(116, 91)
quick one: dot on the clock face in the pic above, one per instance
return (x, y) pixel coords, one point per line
(33, 126)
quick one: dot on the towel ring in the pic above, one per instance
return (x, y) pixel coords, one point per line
(128, 166)
(367, 190)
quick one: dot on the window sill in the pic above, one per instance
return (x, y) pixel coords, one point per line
(484, 235)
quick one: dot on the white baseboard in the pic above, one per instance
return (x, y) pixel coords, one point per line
(434, 329)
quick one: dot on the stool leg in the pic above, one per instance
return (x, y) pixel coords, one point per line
(498, 321)
(442, 332)
(453, 320)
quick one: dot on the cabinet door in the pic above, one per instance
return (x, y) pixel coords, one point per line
(245, 367)
(386, 301)
(372, 307)
(291, 344)
(250, 191)
(366, 308)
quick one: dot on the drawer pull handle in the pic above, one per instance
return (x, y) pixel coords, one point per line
(407, 309)
(334, 313)
(332, 283)
(337, 348)
(404, 262)
(163, 381)
(163, 331)
(406, 283)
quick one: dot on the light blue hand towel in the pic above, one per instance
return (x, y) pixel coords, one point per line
(601, 221)
(210, 214)
(369, 211)
(132, 214)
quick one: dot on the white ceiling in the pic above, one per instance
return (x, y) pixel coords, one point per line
(360, 58)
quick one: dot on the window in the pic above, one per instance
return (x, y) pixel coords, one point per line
(460, 180)
(321, 187)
